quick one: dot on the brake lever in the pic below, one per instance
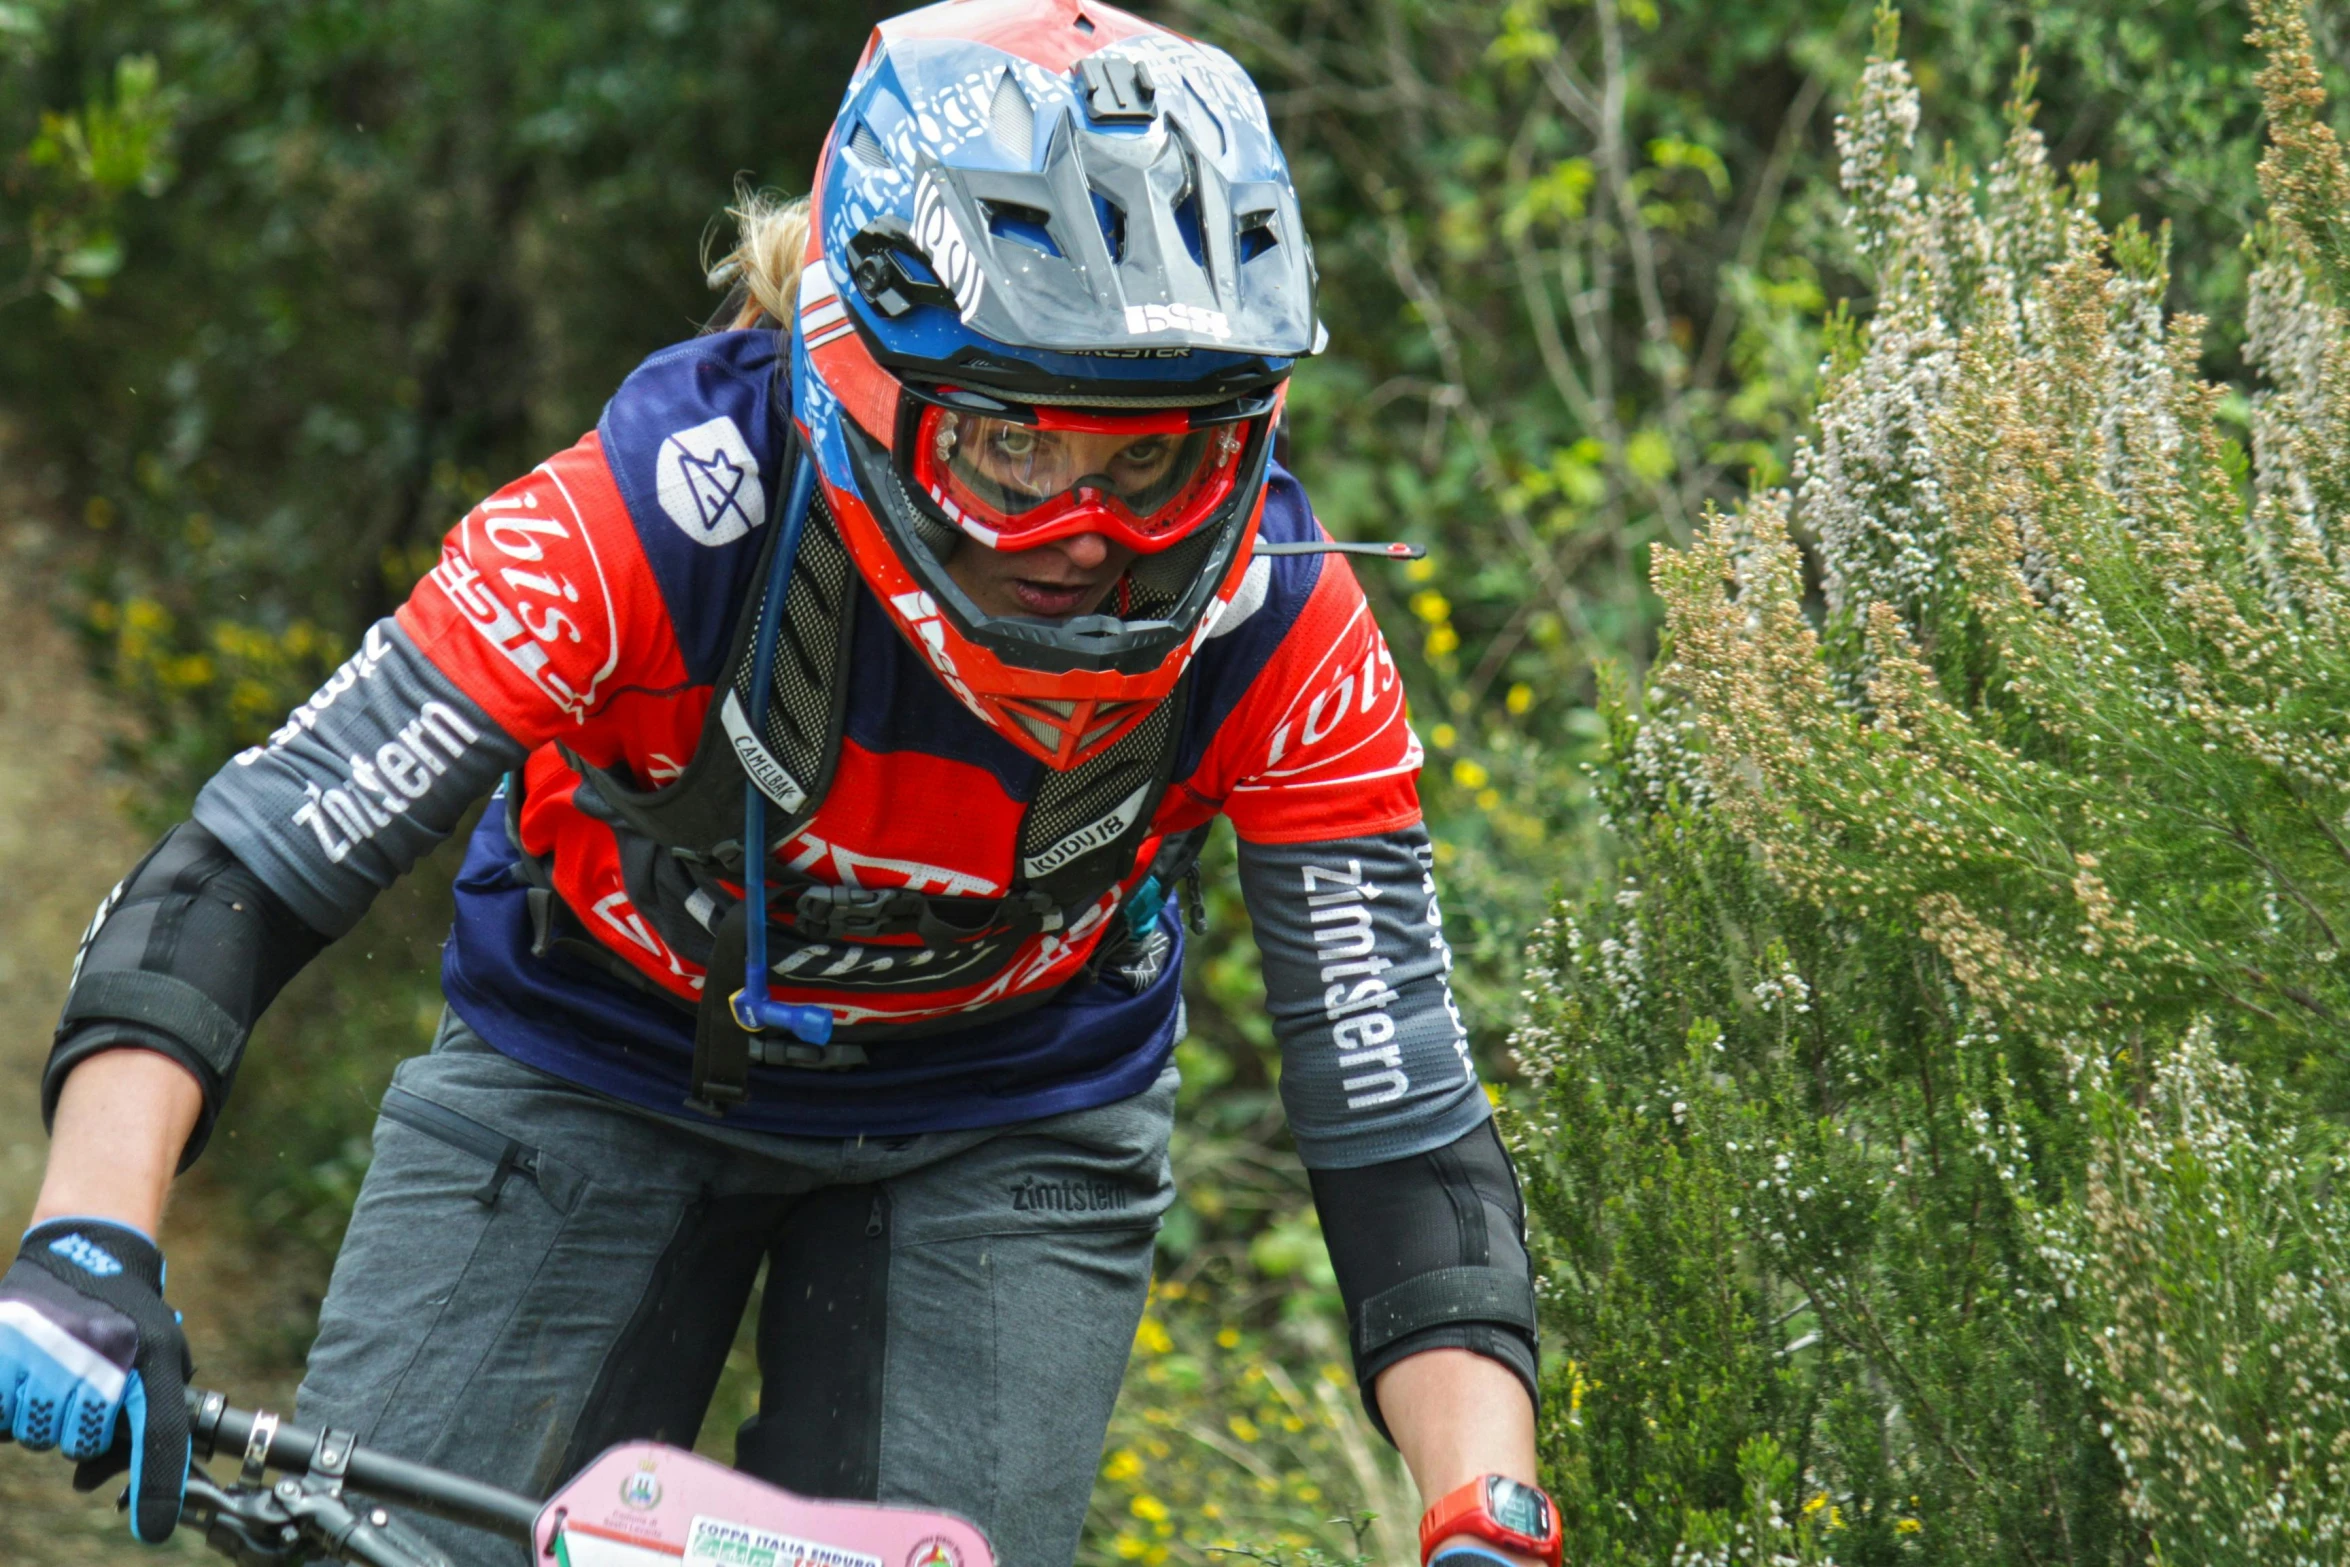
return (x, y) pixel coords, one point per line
(297, 1518)
(247, 1525)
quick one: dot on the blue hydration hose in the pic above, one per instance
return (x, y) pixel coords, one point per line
(753, 1009)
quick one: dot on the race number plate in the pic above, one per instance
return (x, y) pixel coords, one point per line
(644, 1505)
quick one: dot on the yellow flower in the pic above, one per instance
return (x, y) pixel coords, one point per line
(1132, 1547)
(1815, 1504)
(1123, 1465)
(1442, 640)
(1148, 1508)
(1418, 571)
(1521, 697)
(1431, 606)
(1309, 1493)
(1151, 1337)
(1229, 1338)
(1906, 1526)
(1445, 736)
(1488, 799)
(1243, 1427)
(1470, 775)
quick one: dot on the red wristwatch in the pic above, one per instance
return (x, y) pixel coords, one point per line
(1495, 1508)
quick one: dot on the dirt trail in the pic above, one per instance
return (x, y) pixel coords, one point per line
(64, 839)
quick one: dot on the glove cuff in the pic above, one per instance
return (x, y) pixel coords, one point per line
(94, 1249)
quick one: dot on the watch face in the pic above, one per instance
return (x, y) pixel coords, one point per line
(1518, 1508)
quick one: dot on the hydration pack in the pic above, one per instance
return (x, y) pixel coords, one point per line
(681, 845)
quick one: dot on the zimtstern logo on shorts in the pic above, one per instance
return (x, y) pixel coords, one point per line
(1037, 1196)
(708, 482)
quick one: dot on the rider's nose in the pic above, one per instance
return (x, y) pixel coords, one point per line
(1085, 551)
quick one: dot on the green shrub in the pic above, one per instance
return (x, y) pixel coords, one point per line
(1937, 1098)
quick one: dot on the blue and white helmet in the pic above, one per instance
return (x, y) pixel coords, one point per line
(1053, 213)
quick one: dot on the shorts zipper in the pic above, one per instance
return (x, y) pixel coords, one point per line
(507, 1158)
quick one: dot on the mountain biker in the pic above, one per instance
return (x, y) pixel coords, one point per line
(1031, 334)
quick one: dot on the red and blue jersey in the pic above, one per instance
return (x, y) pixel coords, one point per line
(587, 608)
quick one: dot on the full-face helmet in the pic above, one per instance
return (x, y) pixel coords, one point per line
(1056, 280)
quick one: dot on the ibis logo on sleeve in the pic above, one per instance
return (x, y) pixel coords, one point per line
(708, 482)
(526, 577)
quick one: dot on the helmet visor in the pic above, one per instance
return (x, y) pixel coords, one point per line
(1014, 483)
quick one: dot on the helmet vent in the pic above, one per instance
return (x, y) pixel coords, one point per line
(1187, 225)
(1112, 218)
(1013, 119)
(1257, 234)
(1083, 24)
(1028, 225)
(867, 148)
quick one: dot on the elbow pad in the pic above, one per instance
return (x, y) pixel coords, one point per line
(1430, 1253)
(181, 959)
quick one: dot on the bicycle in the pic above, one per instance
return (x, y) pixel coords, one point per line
(640, 1504)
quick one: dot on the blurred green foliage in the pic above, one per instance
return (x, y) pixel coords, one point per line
(1581, 263)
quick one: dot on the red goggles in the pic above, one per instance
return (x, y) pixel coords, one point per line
(1144, 480)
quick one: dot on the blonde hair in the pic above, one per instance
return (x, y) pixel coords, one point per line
(761, 274)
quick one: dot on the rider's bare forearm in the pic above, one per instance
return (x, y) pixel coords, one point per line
(122, 1119)
(1457, 1415)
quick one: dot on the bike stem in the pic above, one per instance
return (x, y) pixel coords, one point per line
(264, 1442)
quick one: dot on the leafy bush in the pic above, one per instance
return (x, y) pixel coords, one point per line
(1935, 1098)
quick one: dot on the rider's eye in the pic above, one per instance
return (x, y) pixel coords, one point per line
(1014, 440)
(1143, 453)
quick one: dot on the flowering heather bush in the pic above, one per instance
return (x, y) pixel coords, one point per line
(1931, 1132)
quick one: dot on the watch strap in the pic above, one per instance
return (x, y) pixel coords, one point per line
(1470, 1556)
(1463, 1510)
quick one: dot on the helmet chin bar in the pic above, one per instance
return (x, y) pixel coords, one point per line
(1089, 643)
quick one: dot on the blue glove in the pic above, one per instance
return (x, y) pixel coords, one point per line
(93, 1363)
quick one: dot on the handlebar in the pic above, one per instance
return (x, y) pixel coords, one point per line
(265, 1442)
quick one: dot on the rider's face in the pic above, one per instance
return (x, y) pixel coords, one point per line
(1053, 581)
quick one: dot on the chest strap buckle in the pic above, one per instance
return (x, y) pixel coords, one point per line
(857, 913)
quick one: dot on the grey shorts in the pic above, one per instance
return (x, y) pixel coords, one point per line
(535, 1272)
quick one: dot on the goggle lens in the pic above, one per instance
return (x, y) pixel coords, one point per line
(1012, 484)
